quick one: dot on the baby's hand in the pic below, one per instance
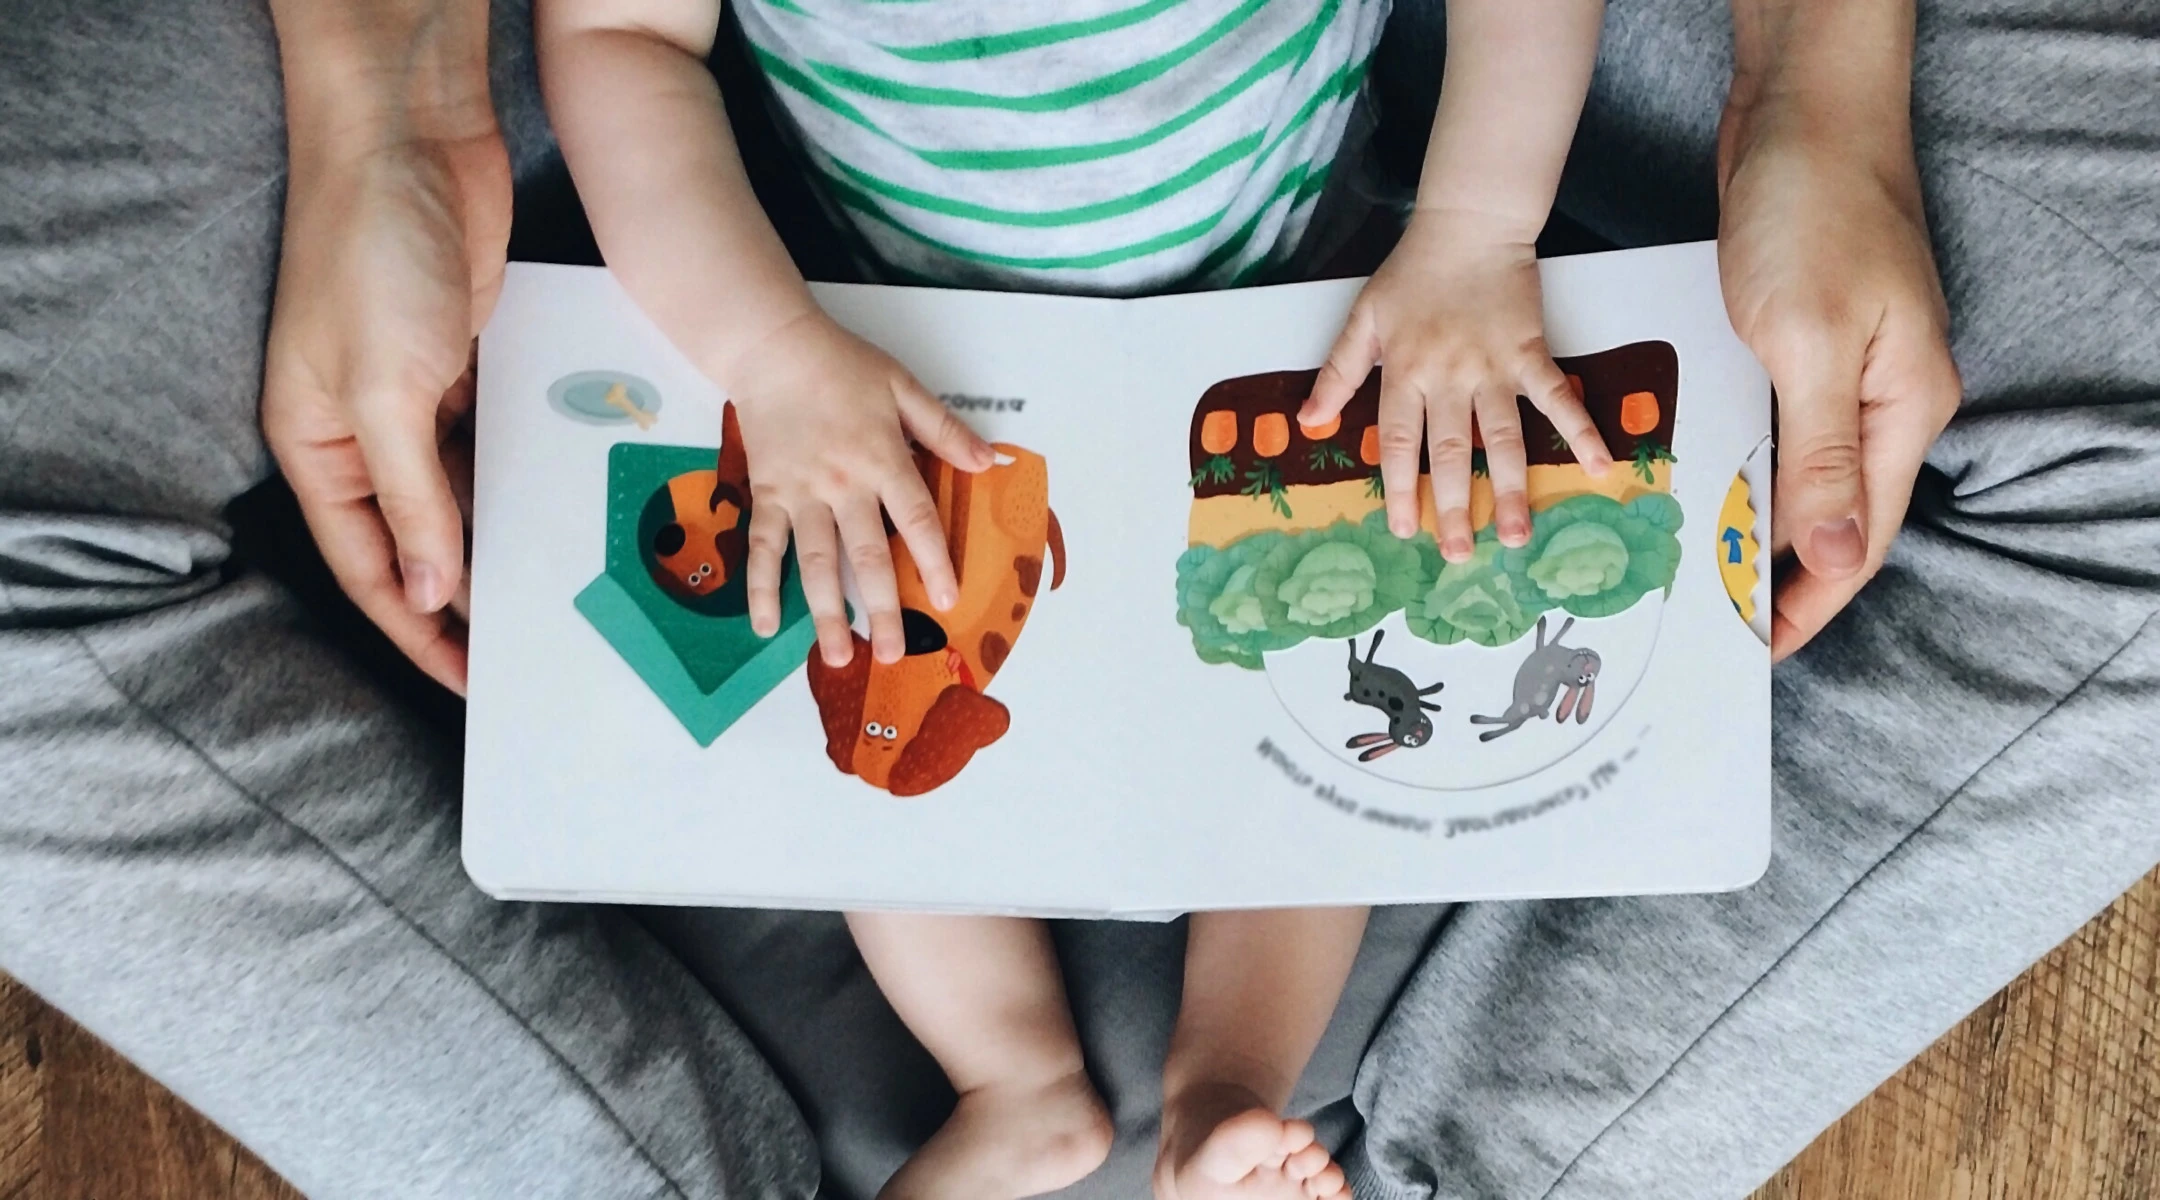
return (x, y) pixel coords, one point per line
(823, 414)
(1454, 316)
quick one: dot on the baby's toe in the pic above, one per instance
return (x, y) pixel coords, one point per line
(1307, 1163)
(1329, 1184)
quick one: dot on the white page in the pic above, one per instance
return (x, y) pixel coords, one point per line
(1129, 780)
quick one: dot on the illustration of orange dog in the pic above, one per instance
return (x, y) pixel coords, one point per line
(910, 726)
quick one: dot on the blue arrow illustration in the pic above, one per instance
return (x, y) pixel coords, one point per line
(1732, 544)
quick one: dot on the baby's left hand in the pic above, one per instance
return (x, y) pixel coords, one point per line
(1456, 318)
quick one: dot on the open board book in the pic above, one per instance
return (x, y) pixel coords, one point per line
(1190, 667)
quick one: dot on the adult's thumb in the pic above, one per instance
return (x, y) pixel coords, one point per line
(1821, 492)
(397, 441)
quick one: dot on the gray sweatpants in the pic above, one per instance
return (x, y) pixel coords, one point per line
(225, 851)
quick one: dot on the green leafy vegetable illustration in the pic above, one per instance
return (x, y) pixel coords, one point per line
(1270, 591)
(1476, 600)
(1594, 556)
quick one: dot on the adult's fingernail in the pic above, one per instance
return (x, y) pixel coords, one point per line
(1401, 526)
(945, 598)
(1838, 545)
(423, 586)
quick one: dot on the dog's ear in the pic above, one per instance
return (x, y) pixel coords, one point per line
(839, 693)
(960, 722)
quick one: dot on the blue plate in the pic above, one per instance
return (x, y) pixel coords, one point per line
(583, 397)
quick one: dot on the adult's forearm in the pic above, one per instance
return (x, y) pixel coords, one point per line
(1842, 67)
(363, 74)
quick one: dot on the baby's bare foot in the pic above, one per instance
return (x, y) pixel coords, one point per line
(1223, 1143)
(1006, 1142)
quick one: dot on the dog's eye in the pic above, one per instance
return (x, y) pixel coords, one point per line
(891, 733)
(872, 729)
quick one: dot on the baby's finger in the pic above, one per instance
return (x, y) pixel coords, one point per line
(761, 573)
(1499, 425)
(1552, 393)
(1447, 444)
(869, 552)
(817, 556)
(1351, 359)
(915, 516)
(1402, 418)
(938, 430)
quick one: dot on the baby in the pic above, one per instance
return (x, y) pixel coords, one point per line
(1099, 146)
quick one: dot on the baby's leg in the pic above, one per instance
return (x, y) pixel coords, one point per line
(984, 996)
(1259, 989)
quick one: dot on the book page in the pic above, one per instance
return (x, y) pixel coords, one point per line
(1188, 669)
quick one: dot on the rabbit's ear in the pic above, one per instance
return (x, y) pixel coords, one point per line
(1385, 747)
(1365, 739)
(1567, 704)
(1582, 710)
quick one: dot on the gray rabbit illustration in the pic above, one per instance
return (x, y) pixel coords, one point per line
(1392, 692)
(1550, 668)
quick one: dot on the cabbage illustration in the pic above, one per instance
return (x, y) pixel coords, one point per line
(1594, 556)
(1217, 603)
(1581, 560)
(1338, 581)
(1328, 584)
(1237, 608)
(1476, 601)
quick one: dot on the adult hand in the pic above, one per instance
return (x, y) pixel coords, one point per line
(1823, 250)
(393, 256)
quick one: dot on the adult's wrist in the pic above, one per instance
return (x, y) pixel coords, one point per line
(365, 75)
(1839, 66)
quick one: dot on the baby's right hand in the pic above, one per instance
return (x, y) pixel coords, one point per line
(825, 421)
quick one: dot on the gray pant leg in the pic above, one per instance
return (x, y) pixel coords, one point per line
(1962, 769)
(221, 849)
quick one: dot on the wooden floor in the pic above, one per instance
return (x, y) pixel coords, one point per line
(2051, 1091)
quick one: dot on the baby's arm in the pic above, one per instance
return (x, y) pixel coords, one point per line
(1455, 313)
(823, 412)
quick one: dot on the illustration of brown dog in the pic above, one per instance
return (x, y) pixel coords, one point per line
(910, 726)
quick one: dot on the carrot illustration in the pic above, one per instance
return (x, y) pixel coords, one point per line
(1638, 412)
(1323, 431)
(1368, 448)
(1218, 431)
(1270, 434)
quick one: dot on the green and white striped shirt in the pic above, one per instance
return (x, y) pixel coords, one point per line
(1123, 146)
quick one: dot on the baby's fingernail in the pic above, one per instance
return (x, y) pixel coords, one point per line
(1457, 549)
(423, 586)
(1838, 545)
(946, 597)
(1401, 527)
(763, 626)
